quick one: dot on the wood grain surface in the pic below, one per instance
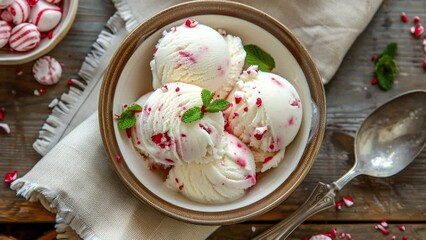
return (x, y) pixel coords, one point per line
(350, 97)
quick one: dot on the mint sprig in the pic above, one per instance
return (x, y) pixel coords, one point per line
(385, 68)
(127, 118)
(209, 105)
(257, 56)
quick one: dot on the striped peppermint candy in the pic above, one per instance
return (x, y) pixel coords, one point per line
(20, 11)
(45, 16)
(6, 16)
(5, 30)
(53, 1)
(47, 70)
(24, 37)
(5, 3)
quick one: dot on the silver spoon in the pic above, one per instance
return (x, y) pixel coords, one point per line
(388, 140)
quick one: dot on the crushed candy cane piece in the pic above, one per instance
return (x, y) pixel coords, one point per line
(36, 92)
(416, 19)
(417, 30)
(11, 176)
(349, 236)
(191, 23)
(404, 238)
(342, 235)
(53, 103)
(382, 229)
(19, 73)
(116, 116)
(393, 237)
(401, 227)
(5, 127)
(1, 115)
(339, 205)
(348, 201)
(119, 158)
(253, 228)
(404, 17)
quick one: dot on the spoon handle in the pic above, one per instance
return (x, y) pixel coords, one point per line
(322, 197)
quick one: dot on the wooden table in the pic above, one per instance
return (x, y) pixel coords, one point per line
(350, 97)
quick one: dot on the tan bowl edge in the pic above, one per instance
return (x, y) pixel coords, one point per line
(182, 11)
(70, 18)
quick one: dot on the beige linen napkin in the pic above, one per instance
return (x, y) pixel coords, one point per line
(75, 180)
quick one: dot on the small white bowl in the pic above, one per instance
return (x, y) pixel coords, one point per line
(129, 76)
(69, 9)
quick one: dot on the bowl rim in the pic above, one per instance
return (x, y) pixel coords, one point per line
(155, 23)
(36, 53)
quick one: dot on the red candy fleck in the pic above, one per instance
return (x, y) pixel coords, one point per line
(374, 81)
(181, 187)
(70, 82)
(424, 64)
(129, 132)
(11, 176)
(245, 109)
(373, 58)
(416, 19)
(260, 135)
(259, 102)
(119, 158)
(266, 160)
(191, 23)
(19, 73)
(342, 235)
(50, 35)
(241, 162)
(404, 17)
(271, 146)
(349, 236)
(348, 201)
(384, 223)
(235, 115)
(339, 205)
(401, 227)
(42, 91)
(1, 115)
(238, 99)
(417, 30)
(382, 229)
(205, 128)
(404, 238)
(177, 89)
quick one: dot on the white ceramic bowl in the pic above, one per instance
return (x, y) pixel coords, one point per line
(69, 9)
(129, 76)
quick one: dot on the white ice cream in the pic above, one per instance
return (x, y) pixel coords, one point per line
(219, 181)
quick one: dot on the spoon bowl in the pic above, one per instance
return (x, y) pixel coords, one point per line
(392, 136)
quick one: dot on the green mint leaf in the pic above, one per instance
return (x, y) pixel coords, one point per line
(134, 107)
(389, 50)
(206, 96)
(217, 105)
(386, 71)
(257, 56)
(192, 114)
(127, 120)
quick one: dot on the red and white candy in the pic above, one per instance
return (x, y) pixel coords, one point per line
(45, 16)
(5, 31)
(47, 70)
(5, 3)
(20, 11)
(24, 37)
(6, 16)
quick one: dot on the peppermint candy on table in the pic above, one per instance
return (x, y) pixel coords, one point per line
(24, 37)
(20, 11)
(45, 16)
(6, 16)
(5, 31)
(47, 70)
(5, 3)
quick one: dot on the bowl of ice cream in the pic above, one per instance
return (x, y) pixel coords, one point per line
(34, 29)
(207, 166)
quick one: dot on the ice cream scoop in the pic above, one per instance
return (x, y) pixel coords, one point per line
(266, 113)
(160, 134)
(218, 181)
(196, 54)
